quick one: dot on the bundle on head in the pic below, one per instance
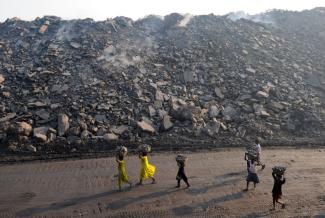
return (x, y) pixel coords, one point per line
(252, 152)
(181, 158)
(121, 150)
(144, 148)
(278, 170)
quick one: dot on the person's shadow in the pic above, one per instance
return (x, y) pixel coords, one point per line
(126, 201)
(186, 210)
(60, 205)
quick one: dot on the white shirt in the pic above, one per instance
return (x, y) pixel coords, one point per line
(259, 149)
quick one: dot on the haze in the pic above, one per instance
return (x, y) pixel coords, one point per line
(103, 9)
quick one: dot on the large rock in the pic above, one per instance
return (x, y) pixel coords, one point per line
(119, 130)
(159, 96)
(213, 111)
(85, 135)
(212, 128)
(24, 128)
(41, 133)
(63, 124)
(31, 148)
(152, 111)
(144, 126)
(218, 93)
(110, 137)
(167, 123)
(183, 113)
(8, 117)
(262, 94)
(230, 113)
(2, 79)
(43, 114)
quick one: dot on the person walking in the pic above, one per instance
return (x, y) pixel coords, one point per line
(147, 170)
(122, 176)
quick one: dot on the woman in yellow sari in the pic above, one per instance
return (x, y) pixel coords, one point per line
(122, 176)
(147, 170)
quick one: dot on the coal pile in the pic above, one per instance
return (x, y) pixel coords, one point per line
(65, 85)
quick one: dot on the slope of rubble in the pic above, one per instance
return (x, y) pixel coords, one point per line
(66, 85)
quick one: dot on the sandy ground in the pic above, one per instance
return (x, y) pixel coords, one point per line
(87, 188)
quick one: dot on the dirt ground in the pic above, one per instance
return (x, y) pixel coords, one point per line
(88, 188)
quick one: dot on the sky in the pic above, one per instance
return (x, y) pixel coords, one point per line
(135, 9)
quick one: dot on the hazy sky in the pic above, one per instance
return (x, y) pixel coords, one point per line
(102, 9)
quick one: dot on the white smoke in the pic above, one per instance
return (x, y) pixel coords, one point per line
(128, 52)
(187, 18)
(258, 18)
(65, 32)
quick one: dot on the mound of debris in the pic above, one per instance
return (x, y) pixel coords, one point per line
(71, 83)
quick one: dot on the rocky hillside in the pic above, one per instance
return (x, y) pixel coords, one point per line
(66, 85)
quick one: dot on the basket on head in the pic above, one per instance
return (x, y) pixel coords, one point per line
(181, 158)
(121, 150)
(144, 148)
(252, 152)
(278, 170)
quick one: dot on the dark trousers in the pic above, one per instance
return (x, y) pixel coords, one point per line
(181, 175)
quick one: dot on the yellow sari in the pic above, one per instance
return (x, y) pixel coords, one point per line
(122, 177)
(147, 170)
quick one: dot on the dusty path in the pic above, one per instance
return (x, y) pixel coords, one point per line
(87, 188)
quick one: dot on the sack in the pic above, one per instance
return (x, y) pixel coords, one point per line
(181, 158)
(278, 170)
(144, 148)
(121, 150)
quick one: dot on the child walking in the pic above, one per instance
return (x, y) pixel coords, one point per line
(122, 176)
(147, 170)
(279, 180)
(181, 172)
(252, 175)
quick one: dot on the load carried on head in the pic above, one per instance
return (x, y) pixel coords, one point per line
(144, 148)
(121, 150)
(181, 158)
(251, 152)
(278, 170)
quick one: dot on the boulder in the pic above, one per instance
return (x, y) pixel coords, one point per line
(218, 93)
(152, 111)
(110, 137)
(2, 79)
(213, 111)
(144, 126)
(63, 124)
(41, 133)
(85, 135)
(43, 114)
(119, 130)
(167, 123)
(262, 94)
(212, 128)
(31, 148)
(24, 128)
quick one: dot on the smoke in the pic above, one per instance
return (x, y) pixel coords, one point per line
(128, 52)
(187, 18)
(65, 32)
(234, 16)
(265, 18)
